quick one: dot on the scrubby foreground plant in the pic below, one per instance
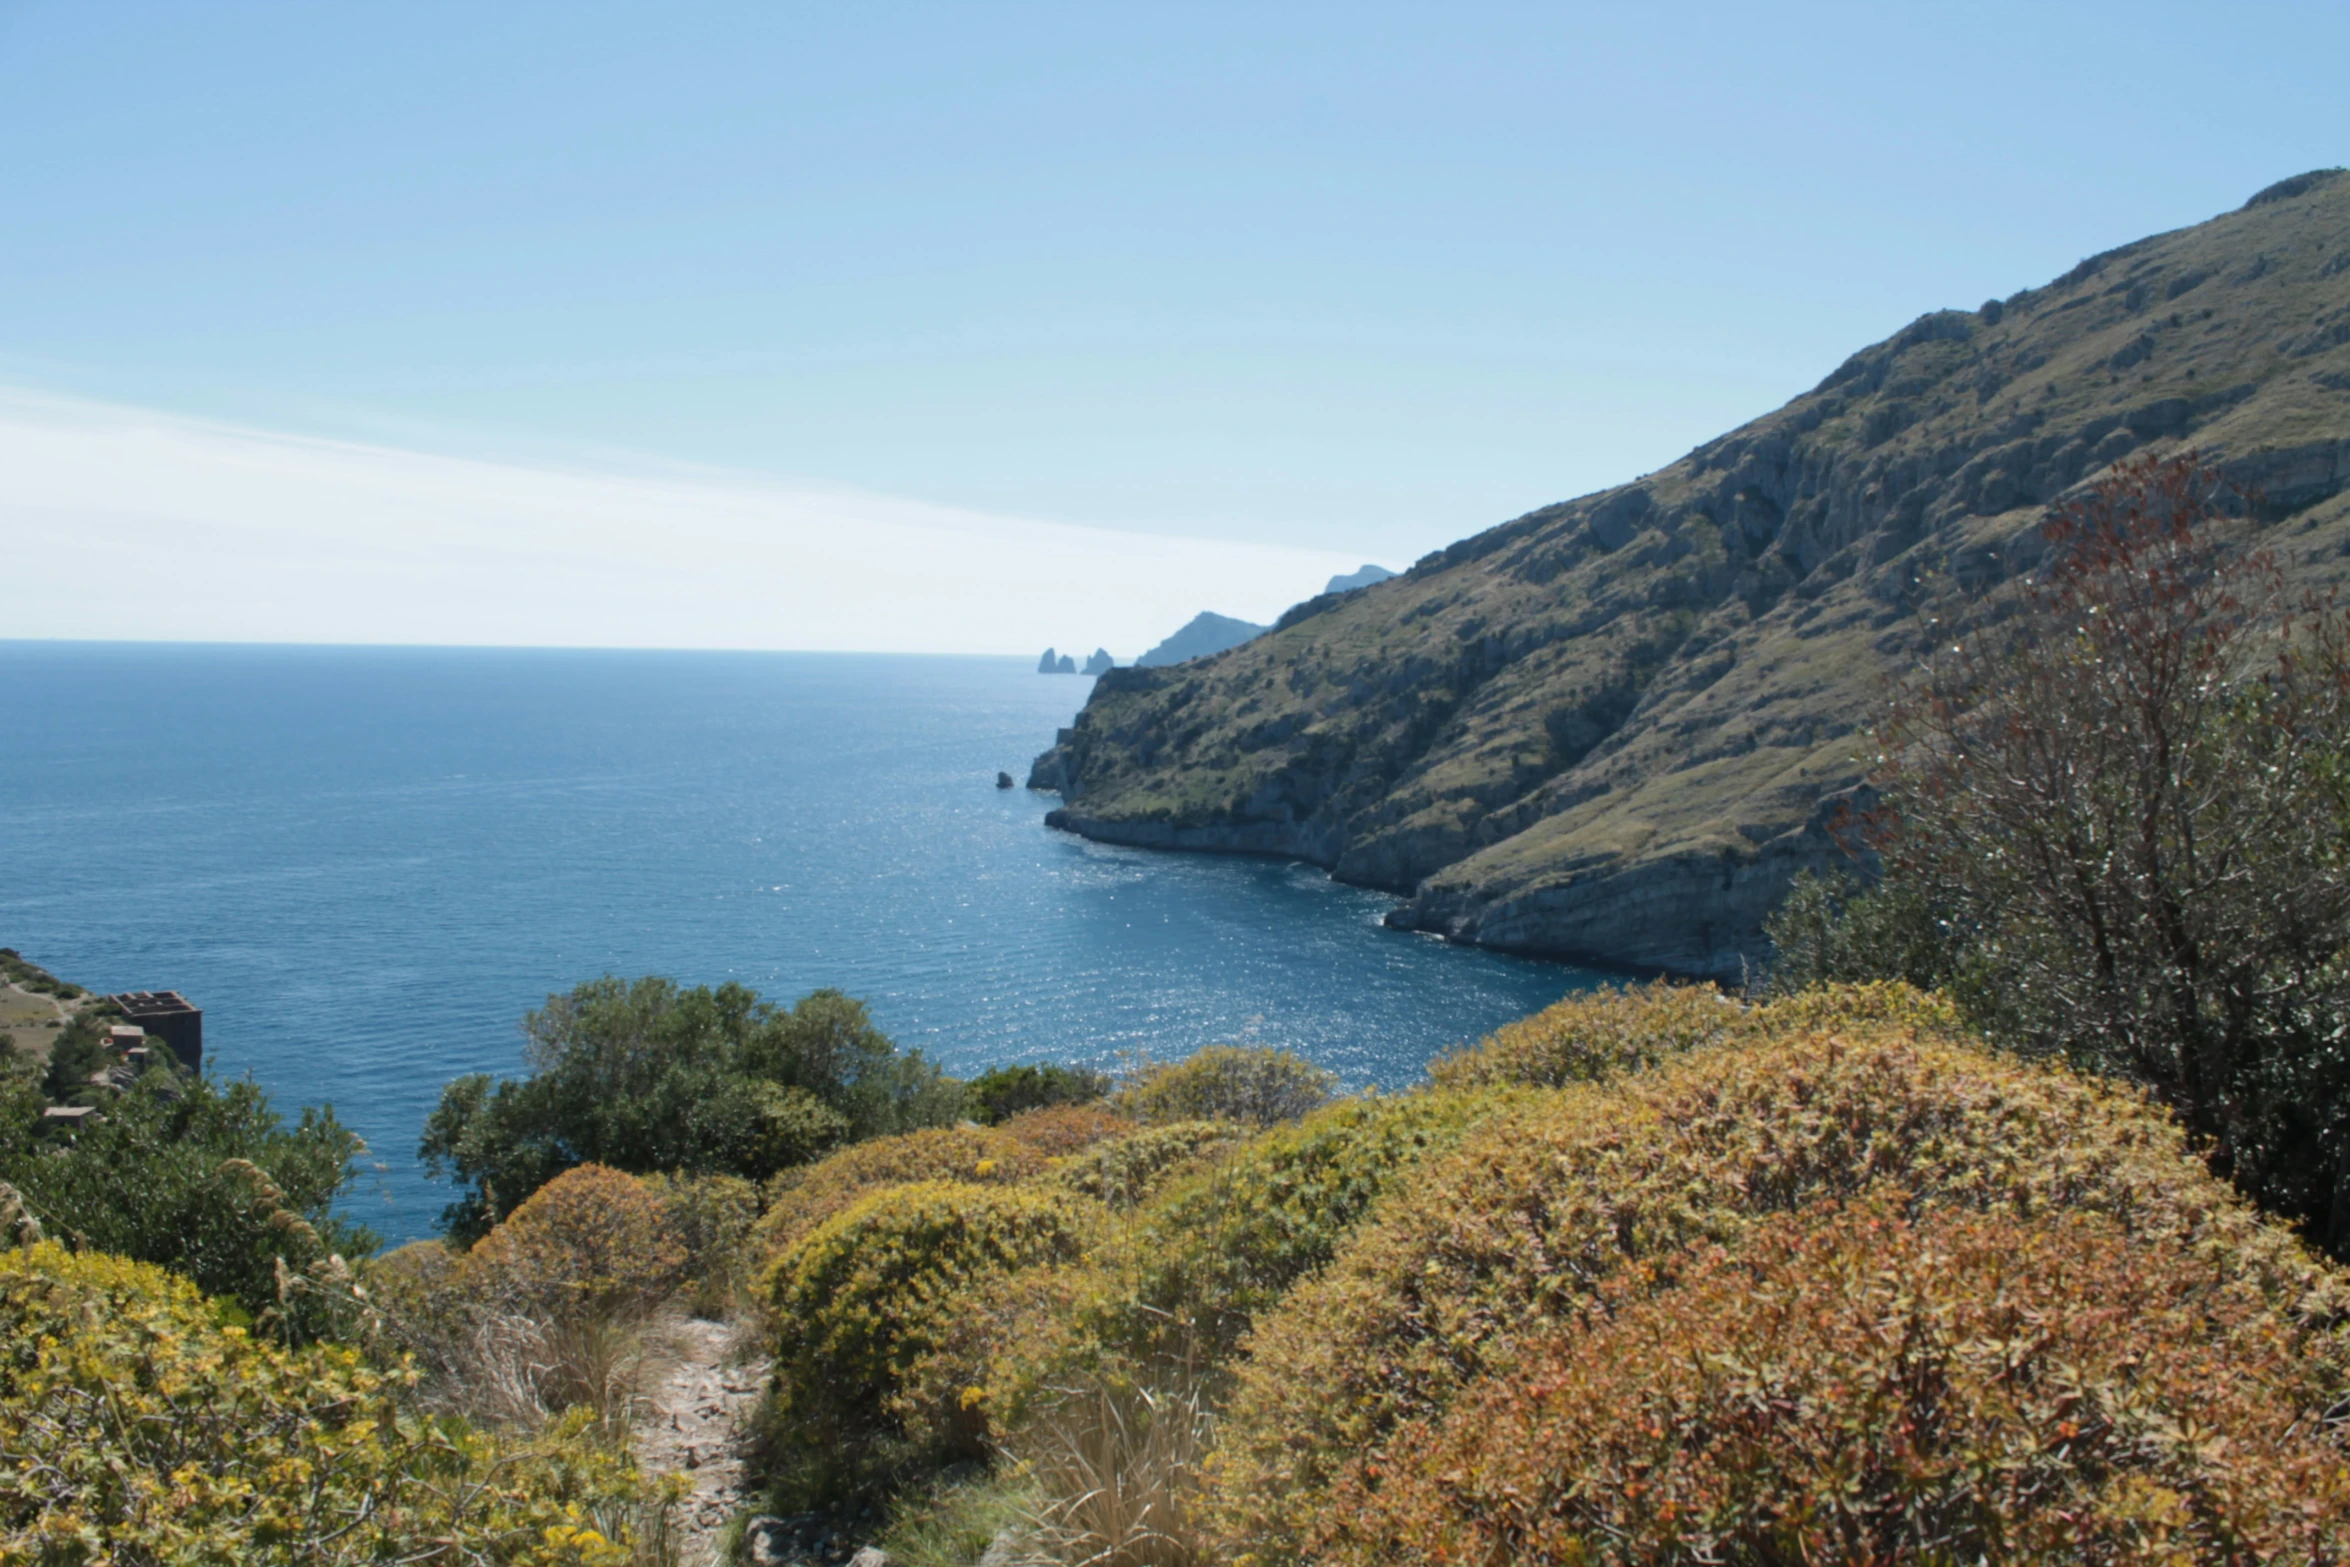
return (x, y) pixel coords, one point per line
(1853, 1384)
(136, 1426)
(1495, 1247)
(2117, 822)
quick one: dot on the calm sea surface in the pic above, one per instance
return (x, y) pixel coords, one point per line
(366, 864)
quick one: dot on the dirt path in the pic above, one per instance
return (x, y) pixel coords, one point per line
(694, 1426)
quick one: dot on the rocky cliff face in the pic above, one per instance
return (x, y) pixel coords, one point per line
(1614, 729)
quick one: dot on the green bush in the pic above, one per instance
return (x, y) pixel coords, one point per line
(140, 1428)
(875, 1315)
(1514, 1232)
(712, 1216)
(1253, 1084)
(998, 1095)
(1851, 1384)
(1128, 1172)
(195, 1176)
(650, 1077)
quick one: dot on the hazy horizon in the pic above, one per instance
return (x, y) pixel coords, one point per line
(957, 329)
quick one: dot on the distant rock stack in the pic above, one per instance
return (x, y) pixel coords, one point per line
(1003, 780)
(1056, 664)
(1101, 662)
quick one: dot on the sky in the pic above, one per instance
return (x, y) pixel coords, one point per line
(976, 327)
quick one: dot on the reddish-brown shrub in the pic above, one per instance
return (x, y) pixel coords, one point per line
(590, 1239)
(1057, 1131)
(1502, 1239)
(1847, 1385)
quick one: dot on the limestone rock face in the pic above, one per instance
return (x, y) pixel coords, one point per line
(1610, 729)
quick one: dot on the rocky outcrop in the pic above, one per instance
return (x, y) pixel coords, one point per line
(1056, 664)
(1203, 636)
(1609, 729)
(1100, 662)
(1361, 577)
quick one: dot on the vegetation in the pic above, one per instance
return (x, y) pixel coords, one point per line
(1250, 1084)
(31, 976)
(1516, 1233)
(1851, 1383)
(140, 1427)
(647, 1076)
(1006, 1091)
(872, 1363)
(199, 1177)
(2117, 825)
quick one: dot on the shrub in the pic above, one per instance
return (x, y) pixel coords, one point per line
(1058, 1131)
(1847, 1384)
(1127, 1172)
(650, 1077)
(1543, 1204)
(711, 1216)
(802, 1200)
(2125, 808)
(1595, 1034)
(1195, 1266)
(872, 1310)
(592, 1241)
(998, 1095)
(139, 1428)
(1249, 1083)
(196, 1176)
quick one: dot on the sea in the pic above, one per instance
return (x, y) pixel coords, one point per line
(366, 864)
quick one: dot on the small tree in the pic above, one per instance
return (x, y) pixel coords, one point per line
(2126, 808)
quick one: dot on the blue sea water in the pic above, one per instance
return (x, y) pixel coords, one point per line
(365, 864)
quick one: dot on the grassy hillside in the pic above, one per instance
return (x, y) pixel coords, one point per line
(1617, 727)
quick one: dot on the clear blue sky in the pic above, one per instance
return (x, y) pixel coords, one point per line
(1354, 278)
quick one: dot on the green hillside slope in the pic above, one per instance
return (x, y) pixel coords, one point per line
(1616, 727)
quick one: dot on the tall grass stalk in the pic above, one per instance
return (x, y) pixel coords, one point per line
(1121, 1465)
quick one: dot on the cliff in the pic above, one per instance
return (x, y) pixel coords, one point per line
(1616, 728)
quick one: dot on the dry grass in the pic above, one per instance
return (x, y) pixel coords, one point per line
(1121, 1466)
(521, 1369)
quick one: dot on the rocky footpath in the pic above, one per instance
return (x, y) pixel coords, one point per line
(1615, 728)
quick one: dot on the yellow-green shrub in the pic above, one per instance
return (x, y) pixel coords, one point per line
(138, 1427)
(879, 1314)
(1849, 1385)
(1595, 1034)
(800, 1200)
(1542, 1205)
(1168, 1296)
(1194, 1266)
(591, 1240)
(1255, 1084)
(1128, 1172)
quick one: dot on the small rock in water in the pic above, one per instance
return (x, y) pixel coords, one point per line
(1003, 780)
